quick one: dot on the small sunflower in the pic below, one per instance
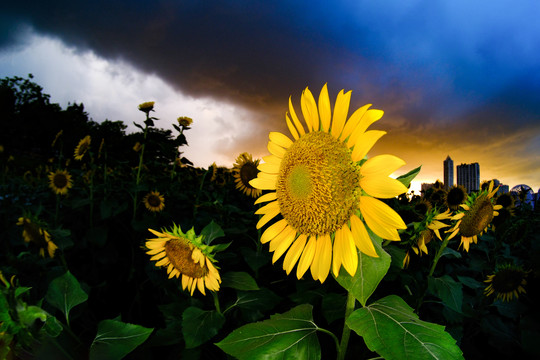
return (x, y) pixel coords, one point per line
(323, 189)
(186, 255)
(32, 232)
(82, 147)
(506, 283)
(184, 121)
(137, 147)
(60, 181)
(245, 170)
(422, 207)
(146, 107)
(456, 196)
(154, 201)
(476, 216)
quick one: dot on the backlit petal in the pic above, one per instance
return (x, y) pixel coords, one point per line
(365, 143)
(349, 254)
(263, 184)
(266, 197)
(381, 218)
(382, 187)
(280, 139)
(324, 109)
(309, 110)
(361, 237)
(341, 109)
(295, 120)
(353, 122)
(294, 253)
(381, 165)
(275, 149)
(291, 127)
(336, 252)
(267, 168)
(306, 258)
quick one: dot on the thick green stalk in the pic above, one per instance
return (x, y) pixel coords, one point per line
(439, 254)
(138, 178)
(351, 302)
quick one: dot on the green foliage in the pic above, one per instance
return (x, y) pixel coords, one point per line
(199, 326)
(239, 280)
(116, 339)
(448, 290)
(64, 293)
(283, 336)
(370, 272)
(391, 328)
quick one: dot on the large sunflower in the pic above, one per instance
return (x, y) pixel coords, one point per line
(323, 190)
(60, 181)
(82, 147)
(186, 255)
(32, 232)
(154, 201)
(476, 216)
(245, 170)
(506, 282)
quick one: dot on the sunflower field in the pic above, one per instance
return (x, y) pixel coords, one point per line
(115, 246)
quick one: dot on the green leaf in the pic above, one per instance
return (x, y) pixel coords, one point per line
(255, 259)
(391, 328)
(451, 252)
(470, 282)
(406, 179)
(238, 280)
(290, 335)
(64, 293)
(448, 290)
(27, 315)
(211, 232)
(369, 274)
(116, 339)
(199, 326)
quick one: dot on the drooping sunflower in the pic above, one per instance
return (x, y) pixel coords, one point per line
(324, 191)
(146, 107)
(154, 201)
(33, 232)
(82, 147)
(476, 216)
(184, 121)
(186, 255)
(506, 283)
(456, 196)
(245, 170)
(60, 181)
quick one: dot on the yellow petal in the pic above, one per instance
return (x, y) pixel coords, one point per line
(353, 122)
(362, 240)
(369, 118)
(283, 246)
(309, 110)
(381, 165)
(272, 159)
(275, 149)
(381, 218)
(158, 234)
(268, 208)
(324, 109)
(154, 251)
(307, 257)
(295, 120)
(263, 184)
(267, 217)
(280, 139)
(336, 252)
(325, 258)
(267, 168)
(185, 280)
(382, 187)
(294, 253)
(163, 262)
(158, 256)
(341, 109)
(349, 255)
(291, 127)
(282, 236)
(200, 285)
(266, 197)
(155, 244)
(365, 143)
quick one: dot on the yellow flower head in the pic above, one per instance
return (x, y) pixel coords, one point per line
(32, 232)
(82, 147)
(184, 121)
(245, 170)
(137, 147)
(476, 216)
(186, 255)
(146, 107)
(154, 201)
(506, 283)
(324, 191)
(60, 181)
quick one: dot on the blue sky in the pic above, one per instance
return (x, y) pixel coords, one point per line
(458, 78)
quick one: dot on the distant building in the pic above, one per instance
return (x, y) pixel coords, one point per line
(448, 168)
(426, 186)
(468, 176)
(503, 189)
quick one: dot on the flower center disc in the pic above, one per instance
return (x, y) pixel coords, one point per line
(507, 280)
(248, 172)
(154, 200)
(478, 217)
(60, 181)
(179, 254)
(318, 184)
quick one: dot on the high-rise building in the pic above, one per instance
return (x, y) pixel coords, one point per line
(448, 167)
(468, 175)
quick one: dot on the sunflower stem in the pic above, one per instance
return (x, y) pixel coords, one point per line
(439, 254)
(138, 178)
(216, 302)
(345, 335)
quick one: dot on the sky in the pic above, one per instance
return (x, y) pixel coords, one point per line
(458, 79)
